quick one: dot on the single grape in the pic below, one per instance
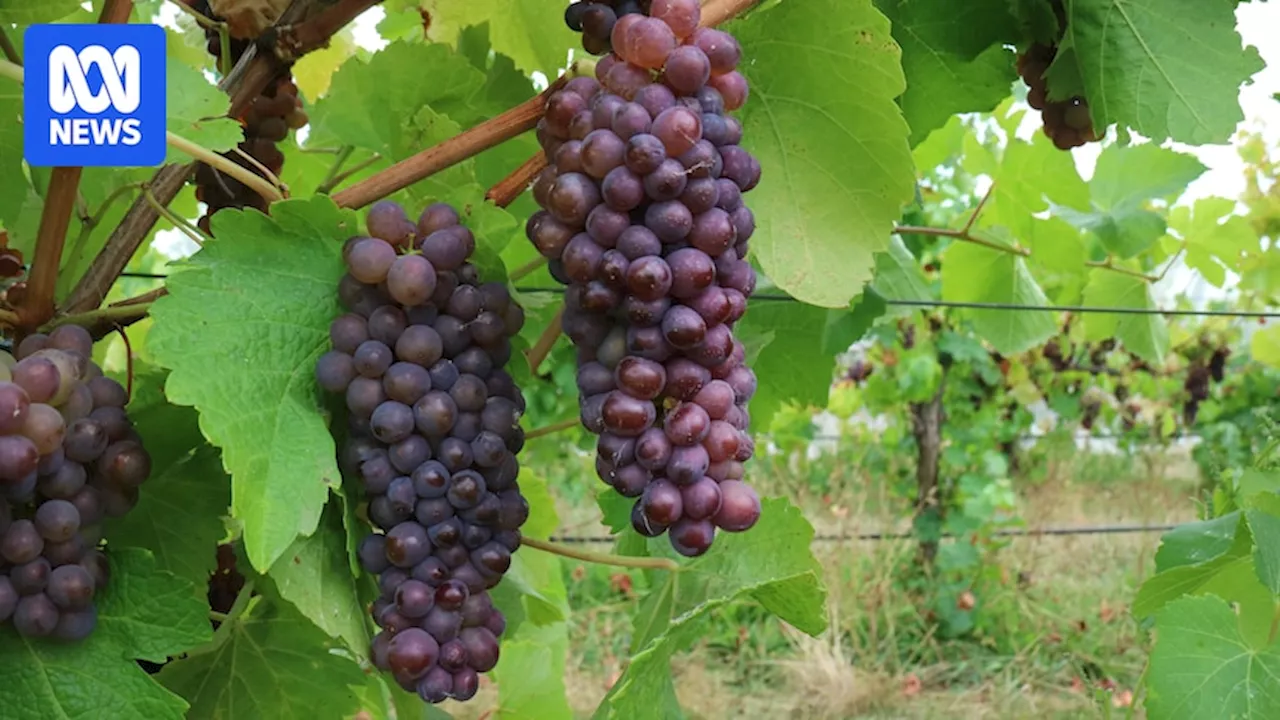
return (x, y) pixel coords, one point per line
(38, 377)
(435, 217)
(35, 616)
(721, 48)
(369, 259)
(448, 248)
(662, 502)
(19, 455)
(687, 69)
(679, 129)
(640, 378)
(70, 587)
(407, 544)
(740, 507)
(411, 280)
(692, 538)
(602, 151)
(387, 221)
(627, 416)
(687, 464)
(412, 652)
(666, 182)
(568, 157)
(649, 278)
(14, 403)
(45, 427)
(732, 87)
(335, 371)
(671, 221)
(631, 119)
(30, 578)
(648, 42)
(622, 190)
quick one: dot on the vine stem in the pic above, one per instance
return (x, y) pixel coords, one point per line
(191, 231)
(1109, 264)
(113, 314)
(546, 341)
(526, 269)
(644, 563)
(336, 180)
(448, 153)
(715, 12)
(339, 160)
(552, 428)
(224, 628)
(55, 218)
(252, 180)
(506, 190)
(9, 50)
(962, 235)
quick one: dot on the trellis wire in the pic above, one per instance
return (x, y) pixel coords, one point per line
(934, 304)
(879, 536)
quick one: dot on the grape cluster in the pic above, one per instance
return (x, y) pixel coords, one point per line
(267, 121)
(595, 20)
(643, 220)
(69, 458)
(434, 431)
(1066, 122)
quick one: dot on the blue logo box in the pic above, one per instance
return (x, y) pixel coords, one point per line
(94, 95)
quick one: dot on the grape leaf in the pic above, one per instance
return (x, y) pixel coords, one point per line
(1031, 176)
(12, 178)
(25, 12)
(240, 329)
(1216, 239)
(1128, 174)
(1146, 336)
(530, 32)
(792, 336)
(530, 674)
(1166, 68)
(953, 58)
(143, 613)
(1201, 666)
(771, 563)
(822, 120)
(1197, 542)
(1205, 576)
(1266, 549)
(1264, 346)
(197, 110)
(898, 275)
(272, 664)
(974, 273)
(314, 575)
(533, 588)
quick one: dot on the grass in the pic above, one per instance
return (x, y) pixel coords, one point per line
(1054, 639)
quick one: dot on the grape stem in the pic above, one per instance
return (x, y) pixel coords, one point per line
(341, 159)
(962, 235)
(59, 200)
(546, 341)
(555, 427)
(191, 231)
(252, 180)
(9, 50)
(336, 180)
(125, 310)
(448, 153)
(526, 269)
(229, 622)
(715, 12)
(645, 563)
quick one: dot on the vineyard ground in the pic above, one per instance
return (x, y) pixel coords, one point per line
(1057, 638)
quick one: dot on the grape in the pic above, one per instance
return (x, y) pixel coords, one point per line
(681, 15)
(369, 259)
(666, 182)
(662, 502)
(38, 376)
(45, 427)
(688, 69)
(568, 157)
(436, 217)
(605, 225)
(671, 221)
(648, 42)
(57, 520)
(640, 378)
(692, 538)
(655, 98)
(30, 578)
(740, 507)
(387, 221)
(622, 190)
(630, 119)
(732, 87)
(602, 151)
(679, 129)
(412, 652)
(70, 587)
(649, 278)
(335, 371)
(21, 543)
(638, 241)
(448, 248)
(14, 403)
(35, 616)
(721, 48)
(411, 280)
(19, 456)
(703, 161)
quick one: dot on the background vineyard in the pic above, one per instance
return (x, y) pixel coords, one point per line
(993, 371)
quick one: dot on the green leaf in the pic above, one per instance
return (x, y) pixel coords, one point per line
(822, 120)
(1207, 576)
(197, 111)
(26, 12)
(1266, 551)
(974, 273)
(241, 329)
(531, 32)
(1032, 175)
(530, 674)
(1166, 68)
(1128, 174)
(847, 327)
(314, 575)
(143, 613)
(533, 587)
(1216, 239)
(12, 177)
(1197, 542)
(771, 563)
(273, 664)
(1264, 346)
(953, 58)
(179, 512)
(1201, 666)
(1146, 335)
(898, 275)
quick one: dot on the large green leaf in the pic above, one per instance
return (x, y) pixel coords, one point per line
(771, 563)
(144, 613)
(241, 328)
(1219, 573)
(314, 575)
(273, 664)
(1197, 542)
(530, 674)
(12, 178)
(1264, 346)
(26, 12)
(1201, 666)
(1266, 552)
(975, 273)
(953, 56)
(530, 32)
(822, 120)
(1166, 68)
(1145, 335)
(898, 275)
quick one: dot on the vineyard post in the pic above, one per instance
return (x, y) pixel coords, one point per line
(926, 427)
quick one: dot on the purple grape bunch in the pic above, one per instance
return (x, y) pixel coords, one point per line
(643, 220)
(69, 459)
(434, 428)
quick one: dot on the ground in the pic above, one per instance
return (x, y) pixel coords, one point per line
(1057, 640)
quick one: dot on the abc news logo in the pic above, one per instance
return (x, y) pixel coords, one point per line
(69, 89)
(95, 95)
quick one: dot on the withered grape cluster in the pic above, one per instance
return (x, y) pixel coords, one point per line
(267, 121)
(434, 426)
(69, 458)
(643, 220)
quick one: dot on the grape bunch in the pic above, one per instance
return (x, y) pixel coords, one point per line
(434, 425)
(643, 220)
(267, 121)
(595, 20)
(1066, 122)
(69, 458)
